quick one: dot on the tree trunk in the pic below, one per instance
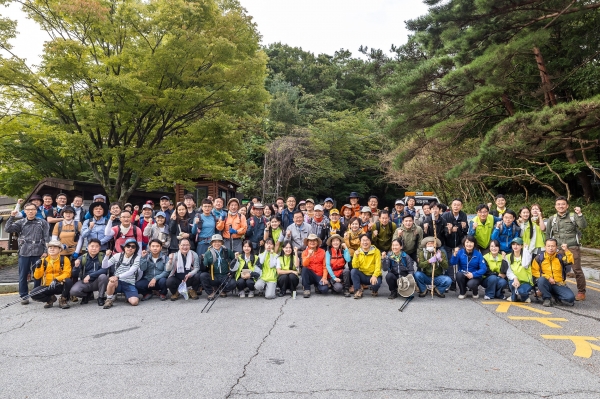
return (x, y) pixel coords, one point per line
(508, 105)
(584, 180)
(550, 98)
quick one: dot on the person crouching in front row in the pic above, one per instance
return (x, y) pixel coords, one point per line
(54, 271)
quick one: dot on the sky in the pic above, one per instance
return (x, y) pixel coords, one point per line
(318, 26)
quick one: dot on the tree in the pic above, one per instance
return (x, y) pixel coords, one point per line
(145, 92)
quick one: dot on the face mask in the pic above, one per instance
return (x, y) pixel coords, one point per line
(430, 249)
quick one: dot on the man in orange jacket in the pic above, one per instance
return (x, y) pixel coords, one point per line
(234, 227)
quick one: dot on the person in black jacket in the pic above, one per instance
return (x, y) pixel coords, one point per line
(181, 227)
(456, 228)
(256, 228)
(440, 226)
(92, 276)
(398, 264)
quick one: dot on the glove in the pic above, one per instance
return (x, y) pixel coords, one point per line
(53, 284)
(433, 260)
(223, 216)
(37, 264)
(232, 230)
(75, 256)
(254, 275)
(439, 256)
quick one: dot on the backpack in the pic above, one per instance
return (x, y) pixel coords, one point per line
(565, 266)
(113, 269)
(578, 233)
(85, 257)
(134, 232)
(77, 233)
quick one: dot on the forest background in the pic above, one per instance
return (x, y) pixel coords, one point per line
(485, 97)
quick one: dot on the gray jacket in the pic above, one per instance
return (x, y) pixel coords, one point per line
(33, 235)
(152, 270)
(298, 234)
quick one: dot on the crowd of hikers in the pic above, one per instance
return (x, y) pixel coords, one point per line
(269, 250)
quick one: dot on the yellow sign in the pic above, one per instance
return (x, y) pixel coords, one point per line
(547, 321)
(583, 348)
(504, 306)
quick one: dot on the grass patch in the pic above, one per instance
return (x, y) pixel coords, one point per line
(8, 260)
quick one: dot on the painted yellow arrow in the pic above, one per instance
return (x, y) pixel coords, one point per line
(504, 306)
(547, 321)
(583, 348)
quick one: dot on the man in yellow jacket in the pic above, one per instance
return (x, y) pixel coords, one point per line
(550, 269)
(366, 267)
(54, 271)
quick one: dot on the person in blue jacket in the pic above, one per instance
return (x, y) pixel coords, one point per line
(470, 267)
(506, 230)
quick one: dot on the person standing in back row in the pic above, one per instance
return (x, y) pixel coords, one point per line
(456, 229)
(566, 228)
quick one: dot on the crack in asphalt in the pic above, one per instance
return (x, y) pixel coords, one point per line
(257, 350)
(16, 328)
(115, 332)
(576, 313)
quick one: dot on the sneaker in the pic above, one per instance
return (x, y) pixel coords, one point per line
(528, 300)
(74, 299)
(393, 295)
(163, 297)
(475, 296)
(580, 296)
(347, 293)
(242, 294)
(306, 293)
(423, 294)
(461, 296)
(280, 294)
(438, 293)
(487, 298)
(108, 304)
(147, 296)
(24, 301)
(508, 298)
(351, 290)
(547, 303)
(251, 294)
(223, 294)
(192, 293)
(101, 301)
(63, 304)
(374, 293)
(175, 296)
(50, 303)
(358, 294)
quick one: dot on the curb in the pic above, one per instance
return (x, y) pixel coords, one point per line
(12, 288)
(592, 274)
(591, 250)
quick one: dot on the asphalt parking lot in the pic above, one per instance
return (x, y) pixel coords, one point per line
(324, 346)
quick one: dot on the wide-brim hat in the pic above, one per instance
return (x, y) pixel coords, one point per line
(130, 241)
(216, 237)
(103, 205)
(366, 209)
(406, 286)
(54, 243)
(312, 237)
(332, 237)
(354, 194)
(438, 243)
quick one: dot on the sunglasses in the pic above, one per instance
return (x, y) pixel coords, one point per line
(130, 246)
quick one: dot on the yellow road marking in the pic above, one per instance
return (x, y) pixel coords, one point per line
(582, 347)
(587, 287)
(548, 321)
(504, 306)
(591, 282)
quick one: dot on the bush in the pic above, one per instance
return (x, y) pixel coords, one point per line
(591, 235)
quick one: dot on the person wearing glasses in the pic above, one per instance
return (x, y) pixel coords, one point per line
(33, 236)
(123, 271)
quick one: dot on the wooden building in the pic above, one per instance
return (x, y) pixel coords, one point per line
(225, 189)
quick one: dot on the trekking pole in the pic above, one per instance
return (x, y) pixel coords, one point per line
(25, 297)
(434, 251)
(217, 294)
(410, 298)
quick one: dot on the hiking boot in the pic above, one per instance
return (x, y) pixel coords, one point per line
(163, 297)
(212, 296)
(101, 301)
(374, 293)
(351, 290)
(74, 299)
(85, 300)
(63, 303)
(108, 303)
(365, 286)
(199, 292)
(306, 293)
(251, 294)
(192, 293)
(147, 296)
(347, 293)
(175, 296)
(242, 294)
(24, 301)
(438, 293)
(280, 294)
(223, 294)
(580, 296)
(547, 303)
(561, 303)
(393, 295)
(358, 294)
(452, 286)
(50, 303)
(423, 294)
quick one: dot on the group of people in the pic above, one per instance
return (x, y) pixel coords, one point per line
(269, 250)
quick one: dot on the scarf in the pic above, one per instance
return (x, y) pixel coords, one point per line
(335, 226)
(188, 262)
(124, 230)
